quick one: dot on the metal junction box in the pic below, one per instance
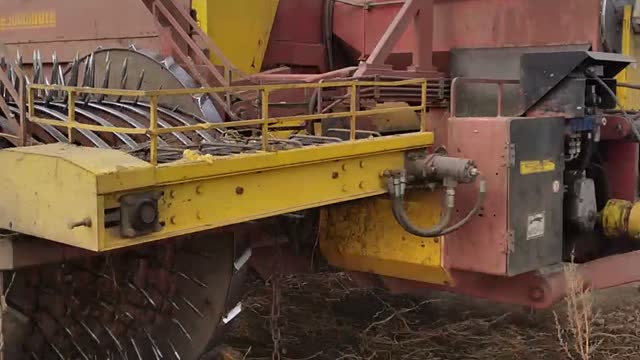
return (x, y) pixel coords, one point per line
(520, 226)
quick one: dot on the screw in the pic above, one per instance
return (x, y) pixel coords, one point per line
(335, 175)
(239, 190)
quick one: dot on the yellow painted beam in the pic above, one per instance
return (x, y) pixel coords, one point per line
(53, 188)
(186, 171)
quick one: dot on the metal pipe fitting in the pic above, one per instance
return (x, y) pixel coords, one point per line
(401, 216)
(446, 170)
(438, 168)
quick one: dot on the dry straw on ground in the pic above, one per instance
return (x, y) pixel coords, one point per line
(325, 316)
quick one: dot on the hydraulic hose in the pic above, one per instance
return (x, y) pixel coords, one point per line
(482, 194)
(442, 228)
(626, 116)
(401, 216)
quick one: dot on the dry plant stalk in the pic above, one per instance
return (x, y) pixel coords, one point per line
(576, 336)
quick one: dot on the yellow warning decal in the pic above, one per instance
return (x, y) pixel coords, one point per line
(536, 166)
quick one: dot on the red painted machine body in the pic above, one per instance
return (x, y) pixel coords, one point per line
(297, 37)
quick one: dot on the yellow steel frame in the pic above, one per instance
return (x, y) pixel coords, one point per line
(61, 192)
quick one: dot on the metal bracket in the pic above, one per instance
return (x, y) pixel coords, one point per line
(139, 214)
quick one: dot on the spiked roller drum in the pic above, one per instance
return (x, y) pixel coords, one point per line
(161, 301)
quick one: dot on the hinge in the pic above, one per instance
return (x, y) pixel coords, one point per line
(511, 155)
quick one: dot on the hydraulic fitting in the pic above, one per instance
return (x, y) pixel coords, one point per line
(447, 171)
(438, 168)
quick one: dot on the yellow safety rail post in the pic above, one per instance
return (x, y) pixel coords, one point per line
(353, 107)
(265, 121)
(71, 118)
(153, 129)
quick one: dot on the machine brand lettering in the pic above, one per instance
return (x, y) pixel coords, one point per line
(536, 166)
(31, 20)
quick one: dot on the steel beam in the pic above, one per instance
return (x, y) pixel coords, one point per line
(53, 187)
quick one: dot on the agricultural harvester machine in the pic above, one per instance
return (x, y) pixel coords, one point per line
(154, 150)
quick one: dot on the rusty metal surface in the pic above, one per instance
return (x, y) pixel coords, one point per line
(495, 241)
(296, 36)
(527, 289)
(482, 244)
(504, 23)
(479, 23)
(539, 289)
(63, 26)
(621, 163)
(616, 127)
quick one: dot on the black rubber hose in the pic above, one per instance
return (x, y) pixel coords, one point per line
(402, 217)
(441, 228)
(482, 193)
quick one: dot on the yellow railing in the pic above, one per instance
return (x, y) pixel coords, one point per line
(265, 122)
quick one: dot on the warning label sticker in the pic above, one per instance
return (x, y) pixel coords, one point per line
(536, 166)
(535, 225)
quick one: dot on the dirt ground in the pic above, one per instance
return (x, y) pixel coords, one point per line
(325, 316)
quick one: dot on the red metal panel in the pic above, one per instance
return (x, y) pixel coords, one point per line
(45, 23)
(503, 23)
(479, 23)
(296, 36)
(622, 169)
(481, 245)
(45, 20)
(538, 290)
(298, 21)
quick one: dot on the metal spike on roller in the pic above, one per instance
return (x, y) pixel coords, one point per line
(122, 69)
